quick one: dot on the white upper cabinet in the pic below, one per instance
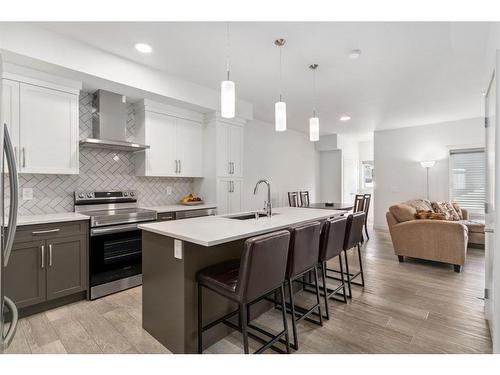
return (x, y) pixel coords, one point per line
(230, 150)
(43, 124)
(176, 142)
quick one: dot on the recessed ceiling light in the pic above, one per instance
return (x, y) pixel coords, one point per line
(355, 54)
(345, 118)
(143, 48)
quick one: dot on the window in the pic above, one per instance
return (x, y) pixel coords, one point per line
(467, 179)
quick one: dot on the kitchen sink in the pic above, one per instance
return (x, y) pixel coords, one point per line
(247, 216)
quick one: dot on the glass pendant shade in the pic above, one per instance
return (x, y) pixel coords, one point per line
(227, 99)
(314, 129)
(280, 116)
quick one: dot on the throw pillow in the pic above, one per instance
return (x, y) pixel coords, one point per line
(447, 209)
(402, 212)
(437, 216)
(458, 210)
(423, 214)
(419, 204)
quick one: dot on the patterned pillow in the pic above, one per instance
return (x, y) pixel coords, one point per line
(458, 210)
(420, 204)
(447, 209)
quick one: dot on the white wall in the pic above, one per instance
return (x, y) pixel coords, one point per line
(288, 159)
(350, 166)
(330, 176)
(397, 153)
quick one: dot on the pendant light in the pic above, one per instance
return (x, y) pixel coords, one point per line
(227, 88)
(280, 107)
(314, 121)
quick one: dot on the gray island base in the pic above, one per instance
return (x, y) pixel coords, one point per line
(170, 263)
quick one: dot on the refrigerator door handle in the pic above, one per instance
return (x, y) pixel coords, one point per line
(7, 338)
(14, 195)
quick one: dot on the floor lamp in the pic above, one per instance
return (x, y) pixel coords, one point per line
(428, 165)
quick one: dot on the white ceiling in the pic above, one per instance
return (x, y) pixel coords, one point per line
(408, 74)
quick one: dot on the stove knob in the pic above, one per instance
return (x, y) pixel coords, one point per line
(81, 195)
(125, 194)
(89, 195)
(132, 194)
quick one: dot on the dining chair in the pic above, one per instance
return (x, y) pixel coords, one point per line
(358, 203)
(293, 199)
(366, 206)
(304, 198)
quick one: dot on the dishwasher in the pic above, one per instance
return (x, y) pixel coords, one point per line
(178, 215)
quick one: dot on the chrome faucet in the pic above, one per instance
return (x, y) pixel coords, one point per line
(268, 205)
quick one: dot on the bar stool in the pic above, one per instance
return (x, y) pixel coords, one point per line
(303, 258)
(293, 199)
(333, 234)
(353, 239)
(259, 273)
(304, 199)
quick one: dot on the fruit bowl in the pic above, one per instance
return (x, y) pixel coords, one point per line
(196, 203)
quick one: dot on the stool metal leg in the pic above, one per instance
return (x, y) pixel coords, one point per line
(361, 266)
(200, 320)
(325, 294)
(285, 323)
(316, 283)
(295, 344)
(244, 329)
(348, 274)
(342, 277)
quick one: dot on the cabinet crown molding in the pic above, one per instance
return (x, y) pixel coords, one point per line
(216, 117)
(167, 109)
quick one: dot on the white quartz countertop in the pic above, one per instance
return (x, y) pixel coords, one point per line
(214, 230)
(179, 207)
(50, 218)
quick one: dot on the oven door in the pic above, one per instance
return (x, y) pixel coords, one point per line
(115, 254)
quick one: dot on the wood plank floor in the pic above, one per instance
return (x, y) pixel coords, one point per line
(414, 307)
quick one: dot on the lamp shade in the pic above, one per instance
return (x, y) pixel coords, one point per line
(314, 129)
(428, 163)
(227, 99)
(280, 116)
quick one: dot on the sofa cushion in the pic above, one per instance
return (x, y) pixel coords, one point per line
(447, 209)
(473, 226)
(403, 212)
(420, 204)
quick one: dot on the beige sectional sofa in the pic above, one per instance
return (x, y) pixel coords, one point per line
(437, 240)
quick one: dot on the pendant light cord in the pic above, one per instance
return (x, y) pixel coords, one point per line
(281, 88)
(314, 92)
(228, 47)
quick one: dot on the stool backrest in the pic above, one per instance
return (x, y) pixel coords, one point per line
(304, 248)
(263, 264)
(333, 234)
(359, 201)
(304, 198)
(354, 230)
(293, 199)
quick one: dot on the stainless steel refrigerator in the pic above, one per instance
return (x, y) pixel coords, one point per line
(8, 180)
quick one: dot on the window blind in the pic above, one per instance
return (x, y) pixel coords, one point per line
(467, 179)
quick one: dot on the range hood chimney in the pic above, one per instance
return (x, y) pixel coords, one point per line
(109, 123)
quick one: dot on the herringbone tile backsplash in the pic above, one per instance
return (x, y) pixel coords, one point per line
(99, 170)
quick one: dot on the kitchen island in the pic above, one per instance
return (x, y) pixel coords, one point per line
(174, 251)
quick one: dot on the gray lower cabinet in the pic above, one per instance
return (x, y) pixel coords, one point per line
(24, 278)
(47, 262)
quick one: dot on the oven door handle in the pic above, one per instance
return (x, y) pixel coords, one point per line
(114, 229)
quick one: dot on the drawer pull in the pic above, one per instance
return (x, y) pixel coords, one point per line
(50, 255)
(46, 231)
(42, 249)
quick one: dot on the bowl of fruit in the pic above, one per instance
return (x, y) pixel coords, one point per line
(191, 200)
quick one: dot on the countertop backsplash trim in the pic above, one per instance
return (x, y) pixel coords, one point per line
(100, 169)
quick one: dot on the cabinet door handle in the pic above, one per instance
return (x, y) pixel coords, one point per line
(46, 231)
(24, 157)
(229, 167)
(180, 166)
(229, 186)
(42, 250)
(176, 167)
(232, 186)
(50, 255)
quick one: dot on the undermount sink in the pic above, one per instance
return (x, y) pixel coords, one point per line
(248, 216)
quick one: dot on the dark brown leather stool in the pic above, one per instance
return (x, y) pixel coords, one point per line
(333, 234)
(259, 273)
(303, 258)
(353, 239)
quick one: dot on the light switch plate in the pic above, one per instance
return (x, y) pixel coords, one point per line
(27, 194)
(169, 190)
(178, 249)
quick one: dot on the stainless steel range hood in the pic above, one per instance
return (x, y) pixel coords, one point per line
(109, 123)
